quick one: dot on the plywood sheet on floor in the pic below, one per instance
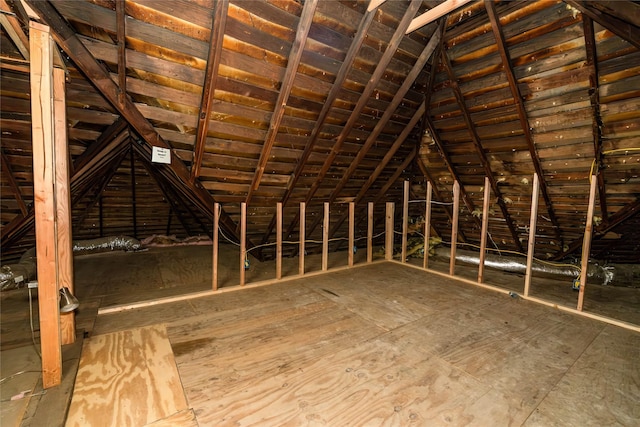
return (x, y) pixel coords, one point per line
(13, 362)
(378, 345)
(126, 378)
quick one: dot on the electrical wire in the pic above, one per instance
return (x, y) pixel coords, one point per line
(16, 374)
(613, 151)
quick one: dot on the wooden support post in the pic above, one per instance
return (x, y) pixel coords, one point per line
(370, 232)
(485, 228)
(279, 241)
(325, 238)
(63, 202)
(405, 220)
(352, 220)
(243, 240)
(532, 233)
(388, 238)
(454, 226)
(133, 195)
(427, 225)
(216, 230)
(586, 243)
(302, 238)
(42, 133)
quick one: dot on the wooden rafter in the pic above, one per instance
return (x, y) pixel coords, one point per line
(616, 219)
(85, 168)
(209, 86)
(134, 210)
(374, 4)
(507, 66)
(596, 120)
(378, 73)
(440, 10)
(354, 48)
(13, 28)
(177, 171)
(13, 184)
(304, 25)
(386, 116)
(452, 171)
(480, 151)
(617, 26)
(122, 52)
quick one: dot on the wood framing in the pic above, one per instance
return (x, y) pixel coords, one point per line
(440, 10)
(13, 28)
(388, 239)
(612, 23)
(369, 232)
(215, 238)
(405, 219)
(243, 239)
(301, 249)
(44, 162)
(13, 184)
(352, 213)
(279, 241)
(325, 238)
(304, 25)
(209, 85)
(586, 245)
(454, 227)
(427, 225)
(531, 244)
(122, 50)
(485, 229)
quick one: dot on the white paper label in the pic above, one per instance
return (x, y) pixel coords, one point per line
(18, 279)
(161, 155)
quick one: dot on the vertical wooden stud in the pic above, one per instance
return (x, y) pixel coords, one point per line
(485, 228)
(42, 134)
(243, 240)
(533, 223)
(279, 240)
(454, 227)
(370, 232)
(302, 238)
(325, 238)
(216, 225)
(63, 202)
(405, 220)
(427, 226)
(586, 242)
(388, 240)
(352, 220)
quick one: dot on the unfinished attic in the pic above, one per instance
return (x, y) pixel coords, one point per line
(320, 212)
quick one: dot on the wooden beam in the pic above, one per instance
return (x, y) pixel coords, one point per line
(381, 69)
(44, 166)
(301, 250)
(13, 184)
(440, 10)
(390, 110)
(596, 120)
(345, 68)
(134, 211)
(304, 25)
(616, 219)
(531, 244)
(620, 28)
(279, 241)
(209, 86)
(586, 245)
(369, 232)
(374, 4)
(14, 30)
(405, 219)
(62, 196)
(388, 235)
(243, 236)
(507, 66)
(485, 228)
(176, 172)
(480, 151)
(352, 214)
(427, 226)
(325, 238)
(454, 227)
(122, 52)
(216, 231)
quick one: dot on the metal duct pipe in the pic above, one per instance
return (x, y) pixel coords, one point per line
(596, 273)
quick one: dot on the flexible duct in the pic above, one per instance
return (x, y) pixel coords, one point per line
(13, 276)
(595, 273)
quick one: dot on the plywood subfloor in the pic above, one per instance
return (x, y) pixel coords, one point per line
(389, 345)
(128, 378)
